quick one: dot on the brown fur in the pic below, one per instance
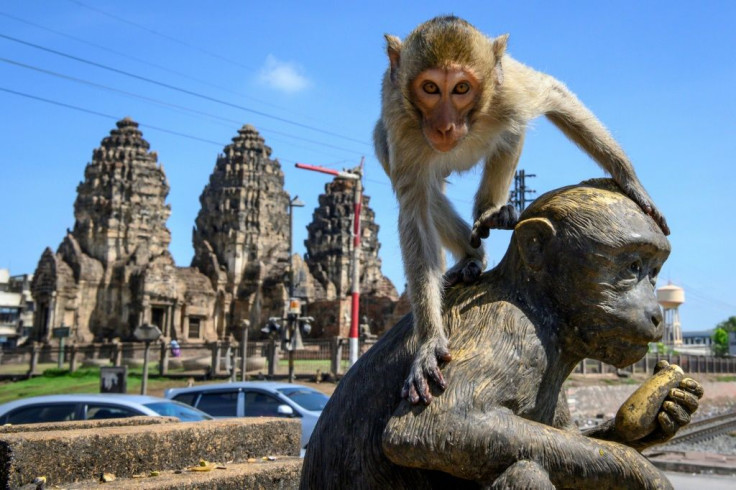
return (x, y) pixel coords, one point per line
(516, 334)
(420, 141)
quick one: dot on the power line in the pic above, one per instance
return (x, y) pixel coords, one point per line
(165, 36)
(179, 89)
(164, 103)
(109, 116)
(140, 60)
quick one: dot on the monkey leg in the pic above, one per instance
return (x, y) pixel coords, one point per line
(422, 254)
(454, 232)
(523, 475)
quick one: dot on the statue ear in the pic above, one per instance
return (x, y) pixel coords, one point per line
(393, 49)
(532, 235)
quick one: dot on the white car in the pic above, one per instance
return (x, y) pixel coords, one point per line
(256, 399)
(93, 406)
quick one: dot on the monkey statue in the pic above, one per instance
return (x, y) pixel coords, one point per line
(577, 281)
(450, 98)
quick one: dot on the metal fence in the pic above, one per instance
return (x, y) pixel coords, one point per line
(320, 359)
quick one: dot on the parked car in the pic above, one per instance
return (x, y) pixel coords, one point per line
(83, 406)
(256, 399)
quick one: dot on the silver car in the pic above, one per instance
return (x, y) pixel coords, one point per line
(256, 399)
(83, 406)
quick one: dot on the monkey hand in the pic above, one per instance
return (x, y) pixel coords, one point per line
(503, 218)
(466, 271)
(641, 198)
(424, 368)
(657, 410)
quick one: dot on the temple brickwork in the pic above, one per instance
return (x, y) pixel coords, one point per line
(329, 246)
(242, 229)
(113, 270)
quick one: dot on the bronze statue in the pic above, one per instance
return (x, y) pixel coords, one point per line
(577, 282)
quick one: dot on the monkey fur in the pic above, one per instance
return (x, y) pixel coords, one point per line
(452, 97)
(578, 281)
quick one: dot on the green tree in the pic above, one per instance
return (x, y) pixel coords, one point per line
(728, 325)
(720, 342)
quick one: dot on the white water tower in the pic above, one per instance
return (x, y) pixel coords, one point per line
(670, 297)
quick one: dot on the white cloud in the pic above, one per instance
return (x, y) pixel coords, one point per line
(283, 75)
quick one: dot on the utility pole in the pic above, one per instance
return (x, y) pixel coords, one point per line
(294, 305)
(356, 176)
(518, 195)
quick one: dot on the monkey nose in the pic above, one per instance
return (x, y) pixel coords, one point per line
(657, 317)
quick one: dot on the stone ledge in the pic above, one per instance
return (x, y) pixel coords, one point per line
(77, 455)
(86, 424)
(282, 474)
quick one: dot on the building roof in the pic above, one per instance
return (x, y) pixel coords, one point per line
(12, 300)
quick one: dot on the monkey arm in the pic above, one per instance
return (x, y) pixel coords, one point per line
(423, 264)
(479, 446)
(579, 124)
(489, 210)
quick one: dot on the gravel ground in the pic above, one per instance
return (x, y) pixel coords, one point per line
(724, 444)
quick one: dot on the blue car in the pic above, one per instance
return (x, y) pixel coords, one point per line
(256, 399)
(93, 406)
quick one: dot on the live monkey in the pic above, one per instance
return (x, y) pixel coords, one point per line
(452, 97)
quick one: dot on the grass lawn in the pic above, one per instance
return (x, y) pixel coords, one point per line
(87, 379)
(84, 380)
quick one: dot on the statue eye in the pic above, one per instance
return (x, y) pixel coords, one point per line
(462, 88)
(430, 88)
(635, 267)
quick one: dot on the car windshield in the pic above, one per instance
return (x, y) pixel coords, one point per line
(307, 398)
(179, 410)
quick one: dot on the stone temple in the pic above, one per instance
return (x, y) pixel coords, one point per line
(113, 270)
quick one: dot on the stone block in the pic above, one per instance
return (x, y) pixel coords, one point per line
(67, 456)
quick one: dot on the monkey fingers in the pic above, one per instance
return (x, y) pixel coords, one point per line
(692, 386)
(678, 414)
(504, 218)
(467, 271)
(686, 400)
(667, 425)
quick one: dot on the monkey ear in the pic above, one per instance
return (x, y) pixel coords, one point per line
(393, 48)
(499, 48)
(532, 235)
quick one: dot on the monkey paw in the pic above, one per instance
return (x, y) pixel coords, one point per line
(466, 271)
(504, 218)
(669, 413)
(424, 368)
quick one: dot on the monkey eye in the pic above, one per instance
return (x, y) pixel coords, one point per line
(430, 88)
(635, 267)
(462, 88)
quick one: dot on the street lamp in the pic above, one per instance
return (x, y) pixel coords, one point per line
(356, 176)
(146, 333)
(293, 203)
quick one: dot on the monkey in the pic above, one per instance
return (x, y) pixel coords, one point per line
(452, 97)
(577, 281)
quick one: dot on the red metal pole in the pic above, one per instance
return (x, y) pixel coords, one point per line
(355, 307)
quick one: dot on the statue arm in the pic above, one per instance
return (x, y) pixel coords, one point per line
(480, 446)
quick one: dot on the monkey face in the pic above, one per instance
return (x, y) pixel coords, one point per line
(616, 313)
(445, 97)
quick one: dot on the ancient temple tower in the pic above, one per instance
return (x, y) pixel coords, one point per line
(120, 205)
(243, 228)
(113, 270)
(329, 244)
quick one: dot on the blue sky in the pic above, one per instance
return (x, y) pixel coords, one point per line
(660, 75)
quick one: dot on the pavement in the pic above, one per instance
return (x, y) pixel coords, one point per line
(686, 481)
